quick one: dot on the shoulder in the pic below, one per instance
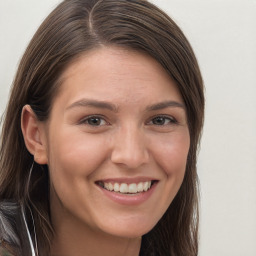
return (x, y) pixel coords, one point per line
(9, 215)
(14, 232)
(9, 239)
(9, 209)
(4, 251)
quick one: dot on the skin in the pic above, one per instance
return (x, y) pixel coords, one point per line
(128, 141)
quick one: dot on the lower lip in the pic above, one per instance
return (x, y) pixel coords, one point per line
(129, 199)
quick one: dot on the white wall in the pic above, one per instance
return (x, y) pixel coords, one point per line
(223, 34)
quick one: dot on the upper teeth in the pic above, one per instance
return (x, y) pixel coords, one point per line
(125, 188)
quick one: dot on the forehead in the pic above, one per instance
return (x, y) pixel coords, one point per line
(114, 60)
(112, 71)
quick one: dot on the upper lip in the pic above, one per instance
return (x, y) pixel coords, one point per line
(127, 180)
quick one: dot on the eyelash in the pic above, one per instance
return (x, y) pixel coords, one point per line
(170, 120)
(87, 119)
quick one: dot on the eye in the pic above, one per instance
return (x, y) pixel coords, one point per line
(93, 121)
(162, 120)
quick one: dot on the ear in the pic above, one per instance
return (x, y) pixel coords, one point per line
(34, 135)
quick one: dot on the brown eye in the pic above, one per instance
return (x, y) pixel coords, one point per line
(162, 120)
(94, 121)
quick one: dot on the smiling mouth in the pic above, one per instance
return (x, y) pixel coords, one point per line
(128, 189)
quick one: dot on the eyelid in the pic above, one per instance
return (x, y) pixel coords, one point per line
(86, 118)
(172, 119)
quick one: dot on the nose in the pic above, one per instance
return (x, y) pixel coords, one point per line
(130, 148)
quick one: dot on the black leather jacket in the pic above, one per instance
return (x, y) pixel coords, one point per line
(14, 236)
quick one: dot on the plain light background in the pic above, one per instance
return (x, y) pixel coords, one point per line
(223, 35)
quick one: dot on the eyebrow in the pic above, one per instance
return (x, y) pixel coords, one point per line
(114, 108)
(165, 104)
(93, 103)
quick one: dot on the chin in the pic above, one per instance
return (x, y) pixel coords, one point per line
(129, 229)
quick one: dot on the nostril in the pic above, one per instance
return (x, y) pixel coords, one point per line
(129, 149)
(130, 158)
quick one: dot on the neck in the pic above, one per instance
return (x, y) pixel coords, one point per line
(74, 238)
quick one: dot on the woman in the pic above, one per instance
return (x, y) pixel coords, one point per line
(99, 141)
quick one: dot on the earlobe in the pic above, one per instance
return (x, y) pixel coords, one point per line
(34, 135)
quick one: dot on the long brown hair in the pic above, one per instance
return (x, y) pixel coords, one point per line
(74, 27)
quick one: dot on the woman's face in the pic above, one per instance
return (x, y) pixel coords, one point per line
(116, 142)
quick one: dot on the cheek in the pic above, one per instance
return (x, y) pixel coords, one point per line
(73, 158)
(171, 153)
(76, 154)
